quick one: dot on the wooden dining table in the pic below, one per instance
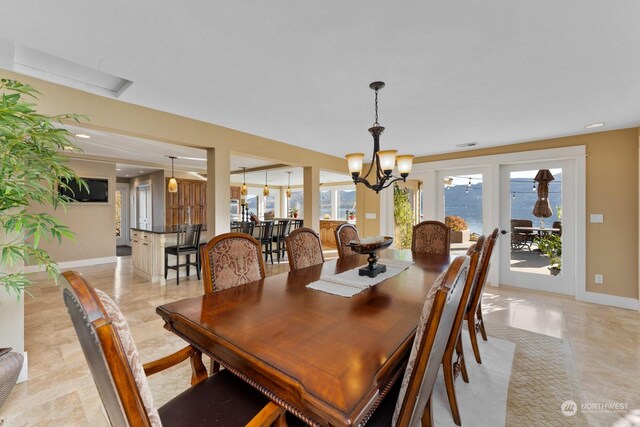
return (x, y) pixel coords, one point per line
(327, 359)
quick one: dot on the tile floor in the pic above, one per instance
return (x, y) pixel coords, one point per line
(605, 342)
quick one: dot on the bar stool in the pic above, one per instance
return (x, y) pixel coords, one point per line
(188, 244)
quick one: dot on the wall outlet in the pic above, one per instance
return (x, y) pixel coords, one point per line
(597, 218)
(599, 279)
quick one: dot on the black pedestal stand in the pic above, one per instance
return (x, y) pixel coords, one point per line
(373, 269)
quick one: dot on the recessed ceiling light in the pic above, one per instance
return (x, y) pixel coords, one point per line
(594, 125)
(141, 171)
(127, 175)
(83, 136)
(118, 169)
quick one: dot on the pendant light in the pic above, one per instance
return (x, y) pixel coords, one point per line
(243, 189)
(172, 186)
(288, 192)
(265, 190)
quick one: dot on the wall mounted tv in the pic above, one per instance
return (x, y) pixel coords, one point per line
(98, 190)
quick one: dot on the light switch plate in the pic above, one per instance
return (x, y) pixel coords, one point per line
(599, 279)
(370, 215)
(597, 218)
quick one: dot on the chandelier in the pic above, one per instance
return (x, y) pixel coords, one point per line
(172, 186)
(384, 161)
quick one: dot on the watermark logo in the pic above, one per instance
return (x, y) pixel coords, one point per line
(569, 408)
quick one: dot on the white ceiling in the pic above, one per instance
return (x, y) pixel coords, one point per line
(494, 72)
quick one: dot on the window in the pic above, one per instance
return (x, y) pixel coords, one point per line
(325, 204)
(269, 207)
(296, 202)
(346, 202)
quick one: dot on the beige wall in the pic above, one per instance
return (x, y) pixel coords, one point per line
(93, 223)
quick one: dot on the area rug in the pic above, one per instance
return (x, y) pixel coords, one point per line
(483, 401)
(543, 377)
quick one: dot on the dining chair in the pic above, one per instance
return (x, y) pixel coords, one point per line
(304, 248)
(188, 244)
(452, 368)
(345, 233)
(431, 237)
(230, 260)
(280, 233)
(121, 379)
(263, 233)
(521, 238)
(473, 315)
(295, 224)
(408, 402)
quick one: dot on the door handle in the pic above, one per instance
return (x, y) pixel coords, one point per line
(504, 231)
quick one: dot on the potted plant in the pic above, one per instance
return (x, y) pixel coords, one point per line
(294, 213)
(33, 168)
(551, 246)
(459, 228)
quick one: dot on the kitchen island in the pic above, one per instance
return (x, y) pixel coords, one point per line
(147, 251)
(327, 230)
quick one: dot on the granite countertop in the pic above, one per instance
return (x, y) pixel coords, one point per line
(163, 229)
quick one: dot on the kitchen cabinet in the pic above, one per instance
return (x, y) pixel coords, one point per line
(188, 205)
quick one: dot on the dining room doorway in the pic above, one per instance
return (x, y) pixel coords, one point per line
(539, 220)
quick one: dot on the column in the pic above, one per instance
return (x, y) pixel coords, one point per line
(312, 197)
(218, 191)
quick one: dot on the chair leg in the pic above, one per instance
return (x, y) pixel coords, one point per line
(198, 266)
(166, 265)
(472, 335)
(188, 264)
(481, 322)
(449, 379)
(461, 362)
(427, 416)
(271, 251)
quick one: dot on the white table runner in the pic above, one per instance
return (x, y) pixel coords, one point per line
(350, 283)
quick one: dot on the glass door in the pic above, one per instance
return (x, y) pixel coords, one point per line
(536, 251)
(461, 206)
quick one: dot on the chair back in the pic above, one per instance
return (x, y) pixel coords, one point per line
(236, 227)
(304, 248)
(558, 225)
(295, 224)
(282, 229)
(430, 341)
(189, 235)
(344, 234)
(482, 271)
(263, 231)
(112, 357)
(431, 237)
(230, 260)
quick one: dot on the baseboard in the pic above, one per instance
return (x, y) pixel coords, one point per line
(73, 264)
(612, 300)
(24, 372)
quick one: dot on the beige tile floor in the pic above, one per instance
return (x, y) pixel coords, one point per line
(60, 391)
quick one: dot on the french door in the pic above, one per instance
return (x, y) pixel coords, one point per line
(538, 220)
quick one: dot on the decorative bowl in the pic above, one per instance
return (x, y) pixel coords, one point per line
(367, 248)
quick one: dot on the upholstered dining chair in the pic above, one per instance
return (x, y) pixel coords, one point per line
(230, 260)
(304, 248)
(473, 315)
(187, 244)
(121, 379)
(452, 368)
(408, 403)
(344, 234)
(431, 237)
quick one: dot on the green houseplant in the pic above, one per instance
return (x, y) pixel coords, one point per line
(32, 169)
(551, 246)
(403, 217)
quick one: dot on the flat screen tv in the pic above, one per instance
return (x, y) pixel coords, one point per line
(98, 190)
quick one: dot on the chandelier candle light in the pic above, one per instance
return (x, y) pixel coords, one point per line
(384, 160)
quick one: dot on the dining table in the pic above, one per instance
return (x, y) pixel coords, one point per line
(327, 359)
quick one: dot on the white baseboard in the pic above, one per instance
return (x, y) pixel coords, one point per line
(24, 372)
(612, 300)
(74, 264)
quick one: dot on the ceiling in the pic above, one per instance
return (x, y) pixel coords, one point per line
(495, 73)
(138, 156)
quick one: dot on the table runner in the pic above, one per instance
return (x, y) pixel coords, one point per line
(350, 283)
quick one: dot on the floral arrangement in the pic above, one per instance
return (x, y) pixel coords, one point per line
(456, 223)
